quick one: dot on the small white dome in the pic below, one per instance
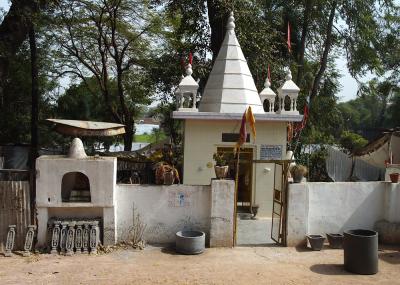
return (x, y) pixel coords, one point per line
(76, 150)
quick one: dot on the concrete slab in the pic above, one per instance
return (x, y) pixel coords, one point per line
(254, 232)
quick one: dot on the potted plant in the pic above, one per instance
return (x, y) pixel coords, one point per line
(298, 172)
(394, 177)
(221, 168)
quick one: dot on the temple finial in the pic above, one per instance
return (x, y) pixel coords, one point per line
(231, 22)
(289, 75)
(267, 83)
(189, 69)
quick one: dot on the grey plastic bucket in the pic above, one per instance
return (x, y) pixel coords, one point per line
(361, 251)
(190, 242)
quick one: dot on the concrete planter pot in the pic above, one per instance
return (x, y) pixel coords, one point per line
(335, 240)
(394, 177)
(361, 251)
(190, 242)
(221, 171)
(316, 241)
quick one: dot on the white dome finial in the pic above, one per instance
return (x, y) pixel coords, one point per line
(189, 69)
(231, 22)
(289, 75)
(267, 83)
(76, 149)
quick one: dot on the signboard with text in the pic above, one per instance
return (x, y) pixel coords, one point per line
(270, 152)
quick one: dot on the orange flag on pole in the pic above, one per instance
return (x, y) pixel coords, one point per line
(252, 122)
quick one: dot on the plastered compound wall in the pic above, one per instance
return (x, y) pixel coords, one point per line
(164, 209)
(320, 208)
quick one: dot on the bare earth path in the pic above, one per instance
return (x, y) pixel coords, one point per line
(241, 265)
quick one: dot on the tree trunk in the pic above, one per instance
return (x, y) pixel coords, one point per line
(324, 59)
(34, 117)
(306, 23)
(34, 93)
(128, 136)
(217, 17)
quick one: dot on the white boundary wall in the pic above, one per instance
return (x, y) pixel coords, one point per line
(168, 209)
(320, 208)
(164, 209)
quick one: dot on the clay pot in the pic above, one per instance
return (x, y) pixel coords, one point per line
(394, 177)
(221, 171)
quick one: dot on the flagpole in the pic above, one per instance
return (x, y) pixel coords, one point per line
(235, 198)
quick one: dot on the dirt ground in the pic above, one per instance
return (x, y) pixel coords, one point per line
(156, 265)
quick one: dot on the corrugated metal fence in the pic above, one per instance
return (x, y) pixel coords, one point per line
(14, 210)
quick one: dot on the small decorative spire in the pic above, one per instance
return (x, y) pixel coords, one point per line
(189, 70)
(231, 22)
(267, 83)
(289, 75)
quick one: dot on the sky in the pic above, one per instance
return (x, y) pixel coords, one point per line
(348, 83)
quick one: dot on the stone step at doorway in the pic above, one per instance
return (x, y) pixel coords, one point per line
(253, 232)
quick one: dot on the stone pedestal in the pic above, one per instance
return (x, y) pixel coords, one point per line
(222, 213)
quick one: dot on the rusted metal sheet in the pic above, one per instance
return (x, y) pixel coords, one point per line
(87, 128)
(14, 210)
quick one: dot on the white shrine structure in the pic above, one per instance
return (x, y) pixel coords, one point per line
(215, 125)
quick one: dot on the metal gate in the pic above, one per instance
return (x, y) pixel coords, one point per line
(14, 210)
(279, 206)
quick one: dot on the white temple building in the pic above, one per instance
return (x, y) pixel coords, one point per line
(215, 125)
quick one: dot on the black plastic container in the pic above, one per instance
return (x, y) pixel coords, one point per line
(335, 240)
(316, 241)
(361, 251)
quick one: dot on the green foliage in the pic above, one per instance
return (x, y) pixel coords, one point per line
(315, 160)
(220, 158)
(15, 101)
(352, 142)
(374, 108)
(172, 128)
(156, 136)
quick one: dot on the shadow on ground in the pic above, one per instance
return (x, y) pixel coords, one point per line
(390, 257)
(329, 269)
(169, 250)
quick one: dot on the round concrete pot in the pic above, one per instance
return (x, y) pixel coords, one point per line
(361, 251)
(190, 242)
(335, 240)
(221, 171)
(316, 242)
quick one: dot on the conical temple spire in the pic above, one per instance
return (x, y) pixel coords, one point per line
(230, 87)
